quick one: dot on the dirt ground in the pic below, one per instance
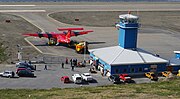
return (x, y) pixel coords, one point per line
(11, 35)
(164, 19)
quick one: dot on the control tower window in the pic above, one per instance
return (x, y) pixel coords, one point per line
(128, 20)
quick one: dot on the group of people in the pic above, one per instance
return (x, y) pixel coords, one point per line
(73, 63)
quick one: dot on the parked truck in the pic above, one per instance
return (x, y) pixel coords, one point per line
(77, 78)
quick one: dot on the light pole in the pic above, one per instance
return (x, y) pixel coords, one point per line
(84, 53)
(19, 54)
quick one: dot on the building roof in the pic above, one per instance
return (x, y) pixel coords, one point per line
(174, 62)
(117, 55)
(128, 16)
(177, 52)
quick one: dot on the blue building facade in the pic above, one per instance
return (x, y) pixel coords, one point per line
(128, 35)
(138, 68)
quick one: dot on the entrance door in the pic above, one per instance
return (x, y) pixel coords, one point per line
(169, 68)
(153, 68)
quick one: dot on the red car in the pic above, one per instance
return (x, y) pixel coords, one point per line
(65, 79)
(125, 77)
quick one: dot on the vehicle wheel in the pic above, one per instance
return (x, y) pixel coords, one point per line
(49, 43)
(109, 79)
(9, 76)
(113, 81)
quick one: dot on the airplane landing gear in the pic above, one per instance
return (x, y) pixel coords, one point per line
(52, 41)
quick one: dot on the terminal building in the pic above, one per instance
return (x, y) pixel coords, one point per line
(126, 57)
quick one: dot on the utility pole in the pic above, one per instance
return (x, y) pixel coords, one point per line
(19, 54)
(84, 53)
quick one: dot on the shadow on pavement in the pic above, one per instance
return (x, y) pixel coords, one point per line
(94, 81)
(96, 42)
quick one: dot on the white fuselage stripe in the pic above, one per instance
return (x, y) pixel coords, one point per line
(17, 5)
(22, 10)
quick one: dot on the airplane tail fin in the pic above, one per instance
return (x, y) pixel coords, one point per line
(69, 31)
(68, 35)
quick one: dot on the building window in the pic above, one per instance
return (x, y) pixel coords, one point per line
(140, 69)
(125, 70)
(146, 69)
(116, 71)
(132, 69)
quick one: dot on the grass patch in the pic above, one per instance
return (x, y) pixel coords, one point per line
(139, 90)
(151, 90)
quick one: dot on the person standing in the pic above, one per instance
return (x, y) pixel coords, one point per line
(71, 62)
(76, 62)
(66, 60)
(62, 64)
(72, 67)
(35, 67)
(45, 67)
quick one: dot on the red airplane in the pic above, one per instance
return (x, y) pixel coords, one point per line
(57, 38)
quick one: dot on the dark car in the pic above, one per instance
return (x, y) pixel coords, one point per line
(25, 73)
(25, 65)
(23, 68)
(114, 78)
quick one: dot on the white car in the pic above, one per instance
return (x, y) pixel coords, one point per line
(86, 77)
(7, 73)
(77, 78)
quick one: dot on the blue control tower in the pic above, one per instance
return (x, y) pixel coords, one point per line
(128, 30)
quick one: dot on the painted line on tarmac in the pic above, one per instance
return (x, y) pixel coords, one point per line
(22, 10)
(39, 49)
(31, 22)
(33, 45)
(52, 19)
(17, 5)
(35, 26)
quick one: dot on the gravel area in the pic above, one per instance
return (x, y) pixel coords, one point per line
(11, 35)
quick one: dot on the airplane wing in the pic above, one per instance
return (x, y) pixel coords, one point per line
(46, 34)
(69, 29)
(80, 33)
(62, 37)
